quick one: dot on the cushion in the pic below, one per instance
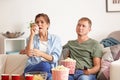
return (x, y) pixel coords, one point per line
(109, 42)
(15, 63)
(107, 56)
(115, 50)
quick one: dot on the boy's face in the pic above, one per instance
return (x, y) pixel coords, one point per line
(83, 28)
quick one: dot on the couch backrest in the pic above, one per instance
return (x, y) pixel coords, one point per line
(115, 34)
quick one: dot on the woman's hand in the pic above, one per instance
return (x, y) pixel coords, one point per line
(33, 52)
(22, 51)
(34, 29)
(37, 52)
(29, 52)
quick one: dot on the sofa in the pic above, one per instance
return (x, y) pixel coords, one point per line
(15, 63)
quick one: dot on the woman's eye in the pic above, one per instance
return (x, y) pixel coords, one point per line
(83, 25)
(78, 25)
(42, 22)
(37, 21)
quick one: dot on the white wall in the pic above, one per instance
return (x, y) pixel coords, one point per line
(64, 14)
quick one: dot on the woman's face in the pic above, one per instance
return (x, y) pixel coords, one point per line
(42, 24)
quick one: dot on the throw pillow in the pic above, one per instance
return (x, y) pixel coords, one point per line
(107, 56)
(105, 64)
(115, 50)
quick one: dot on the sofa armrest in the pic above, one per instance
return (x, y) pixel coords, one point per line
(115, 70)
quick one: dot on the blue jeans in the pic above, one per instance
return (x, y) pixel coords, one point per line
(79, 75)
(42, 66)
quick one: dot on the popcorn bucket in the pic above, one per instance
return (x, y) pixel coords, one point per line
(69, 64)
(61, 74)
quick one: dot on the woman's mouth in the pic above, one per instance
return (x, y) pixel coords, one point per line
(40, 28)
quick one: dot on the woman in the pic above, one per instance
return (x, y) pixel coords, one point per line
(43, 48)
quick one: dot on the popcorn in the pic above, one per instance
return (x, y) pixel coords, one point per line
(60, 67)
(70, 59)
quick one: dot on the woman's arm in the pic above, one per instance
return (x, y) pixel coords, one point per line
(29, 48)
(42, 54)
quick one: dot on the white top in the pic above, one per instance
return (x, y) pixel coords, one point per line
(43, 47)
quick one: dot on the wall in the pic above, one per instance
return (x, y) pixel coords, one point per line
(15, 15)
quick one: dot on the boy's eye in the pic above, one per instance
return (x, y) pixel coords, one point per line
(83, 25)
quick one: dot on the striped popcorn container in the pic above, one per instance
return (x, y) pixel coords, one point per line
(69, 63)
(60, 73)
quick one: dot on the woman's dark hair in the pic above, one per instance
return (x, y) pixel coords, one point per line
(45, 16)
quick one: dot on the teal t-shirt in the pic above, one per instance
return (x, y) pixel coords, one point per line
(84, 52)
